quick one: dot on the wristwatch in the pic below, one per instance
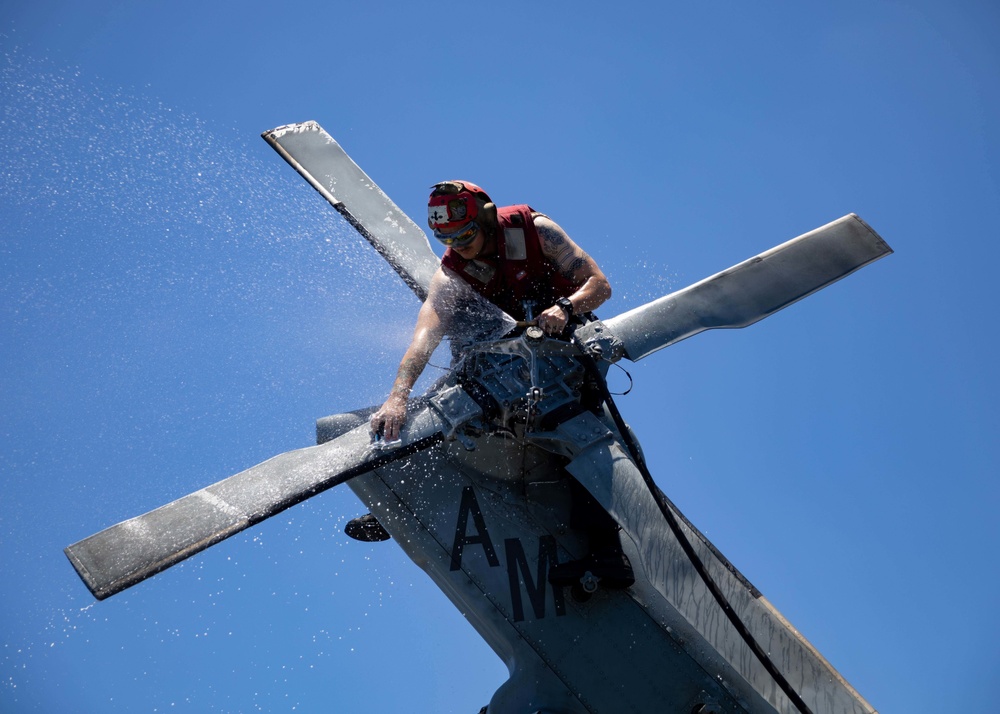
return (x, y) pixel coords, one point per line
(566, 305)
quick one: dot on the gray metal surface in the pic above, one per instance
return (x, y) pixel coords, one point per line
(320, 160)
(485, 525)
(129, 552)
(671, 584)
(751, 290)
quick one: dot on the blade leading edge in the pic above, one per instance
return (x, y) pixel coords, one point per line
(128, 553)
(751, 290)
(320, 160)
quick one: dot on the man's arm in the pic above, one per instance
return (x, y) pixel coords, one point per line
(427, 335)
(573, 263)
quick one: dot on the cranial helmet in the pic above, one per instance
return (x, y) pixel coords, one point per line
(453, 204)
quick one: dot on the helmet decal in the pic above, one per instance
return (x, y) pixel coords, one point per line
(449, 212)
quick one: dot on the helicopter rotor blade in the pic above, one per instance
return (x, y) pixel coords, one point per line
(125, 554)
(324, 164)
(751, 290)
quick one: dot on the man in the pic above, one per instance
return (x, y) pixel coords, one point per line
(525, 264)
(520, 260)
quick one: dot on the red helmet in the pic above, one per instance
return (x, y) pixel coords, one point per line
(449, 212)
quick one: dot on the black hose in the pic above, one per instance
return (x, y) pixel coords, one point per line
(591, 365)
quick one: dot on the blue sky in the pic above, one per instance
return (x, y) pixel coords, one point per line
(177, 305)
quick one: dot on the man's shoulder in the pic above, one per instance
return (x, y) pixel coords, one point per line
(519, 214)
(516, 213)
(548, 230)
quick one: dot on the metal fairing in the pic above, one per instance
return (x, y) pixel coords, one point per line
(485, 526)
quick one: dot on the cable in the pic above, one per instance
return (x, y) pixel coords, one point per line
(591, 365)
(631, 382)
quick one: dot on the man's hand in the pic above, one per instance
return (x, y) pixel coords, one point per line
(553, 321)
(390, 418)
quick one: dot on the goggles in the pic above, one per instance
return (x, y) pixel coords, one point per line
(460, 238)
